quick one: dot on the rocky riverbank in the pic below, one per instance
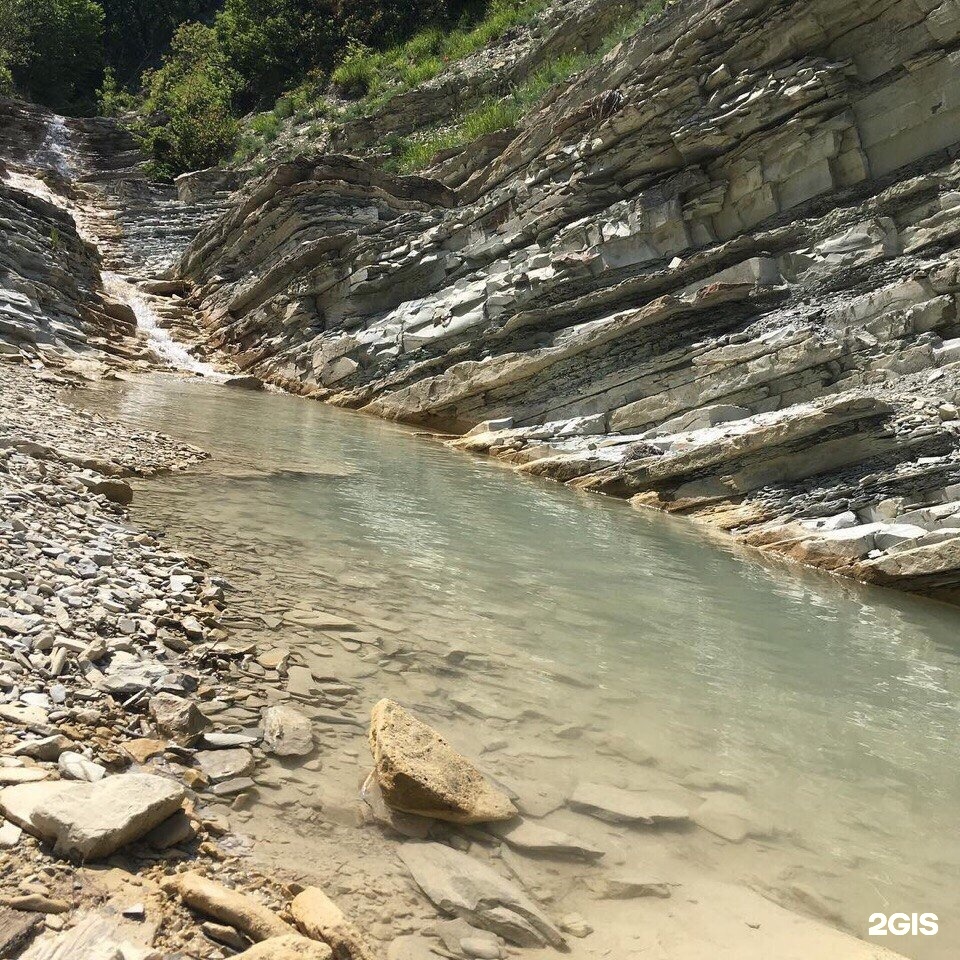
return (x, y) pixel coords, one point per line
(145, 736)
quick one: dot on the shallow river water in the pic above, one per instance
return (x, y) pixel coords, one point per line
(562, 637)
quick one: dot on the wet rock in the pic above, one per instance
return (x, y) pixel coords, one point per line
(464, 887)
(625, 806)
(177, 717)
(244, 383)
(732, 818)
(406, 824)
(628, 886)
(419, 773)
(316, 915)
(89, 821)
(114, 489)
(228, 906)
(287, 733)
(219, 765)
(532, 838)
(575, 925)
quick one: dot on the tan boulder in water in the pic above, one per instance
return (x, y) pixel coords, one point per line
(419, 772)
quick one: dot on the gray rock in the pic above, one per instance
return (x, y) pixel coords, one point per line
(177, 717)
(218, 765)
(532, 838)
(286, 733)
(90, 821)
(464, 887)
(625, 806)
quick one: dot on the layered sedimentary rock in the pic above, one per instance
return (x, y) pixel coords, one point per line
(716, 272)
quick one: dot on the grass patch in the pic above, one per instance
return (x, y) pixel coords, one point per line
(366, 73)
(416, 152)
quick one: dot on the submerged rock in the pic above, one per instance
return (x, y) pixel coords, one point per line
(625, 806)
(419, 772)
(464, 887)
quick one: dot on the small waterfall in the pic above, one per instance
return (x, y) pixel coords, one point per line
(163, 344)
(57, 148)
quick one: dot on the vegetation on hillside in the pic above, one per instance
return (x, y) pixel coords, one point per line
(184, 72)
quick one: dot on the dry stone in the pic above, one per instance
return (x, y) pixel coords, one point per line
(420, 773)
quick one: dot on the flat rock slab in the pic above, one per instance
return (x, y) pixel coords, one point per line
(626, 806)
(536, 839)
(464, 887)
(89, 821)
(219, 765)
(14, 775)
(732, 818)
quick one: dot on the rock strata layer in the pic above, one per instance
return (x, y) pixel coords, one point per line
(715, 272)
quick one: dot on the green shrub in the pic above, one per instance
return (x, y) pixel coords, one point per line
(61, 57)
(359, 72)
(188, 121)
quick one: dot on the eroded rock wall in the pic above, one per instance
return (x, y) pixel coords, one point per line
(716, 272)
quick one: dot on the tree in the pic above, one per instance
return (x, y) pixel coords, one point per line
(378, 24)
(138, 32)
(62, 63)
(13, 41)
(274, 44)
(188, 117)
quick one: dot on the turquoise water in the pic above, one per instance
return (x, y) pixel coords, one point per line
(829, 709)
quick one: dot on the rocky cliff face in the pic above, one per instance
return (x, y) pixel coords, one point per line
(716, 272)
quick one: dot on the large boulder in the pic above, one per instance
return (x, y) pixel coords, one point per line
(89, 821)
(419, 772)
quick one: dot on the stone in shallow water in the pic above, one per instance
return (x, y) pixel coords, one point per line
(460, 885)
(287, 733)
(625, 806)
(420, 773)
(732, 818)
(533, 838)
(628, 886)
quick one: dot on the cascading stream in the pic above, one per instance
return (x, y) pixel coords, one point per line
(161, 340)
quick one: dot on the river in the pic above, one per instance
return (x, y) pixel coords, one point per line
(563, 637)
